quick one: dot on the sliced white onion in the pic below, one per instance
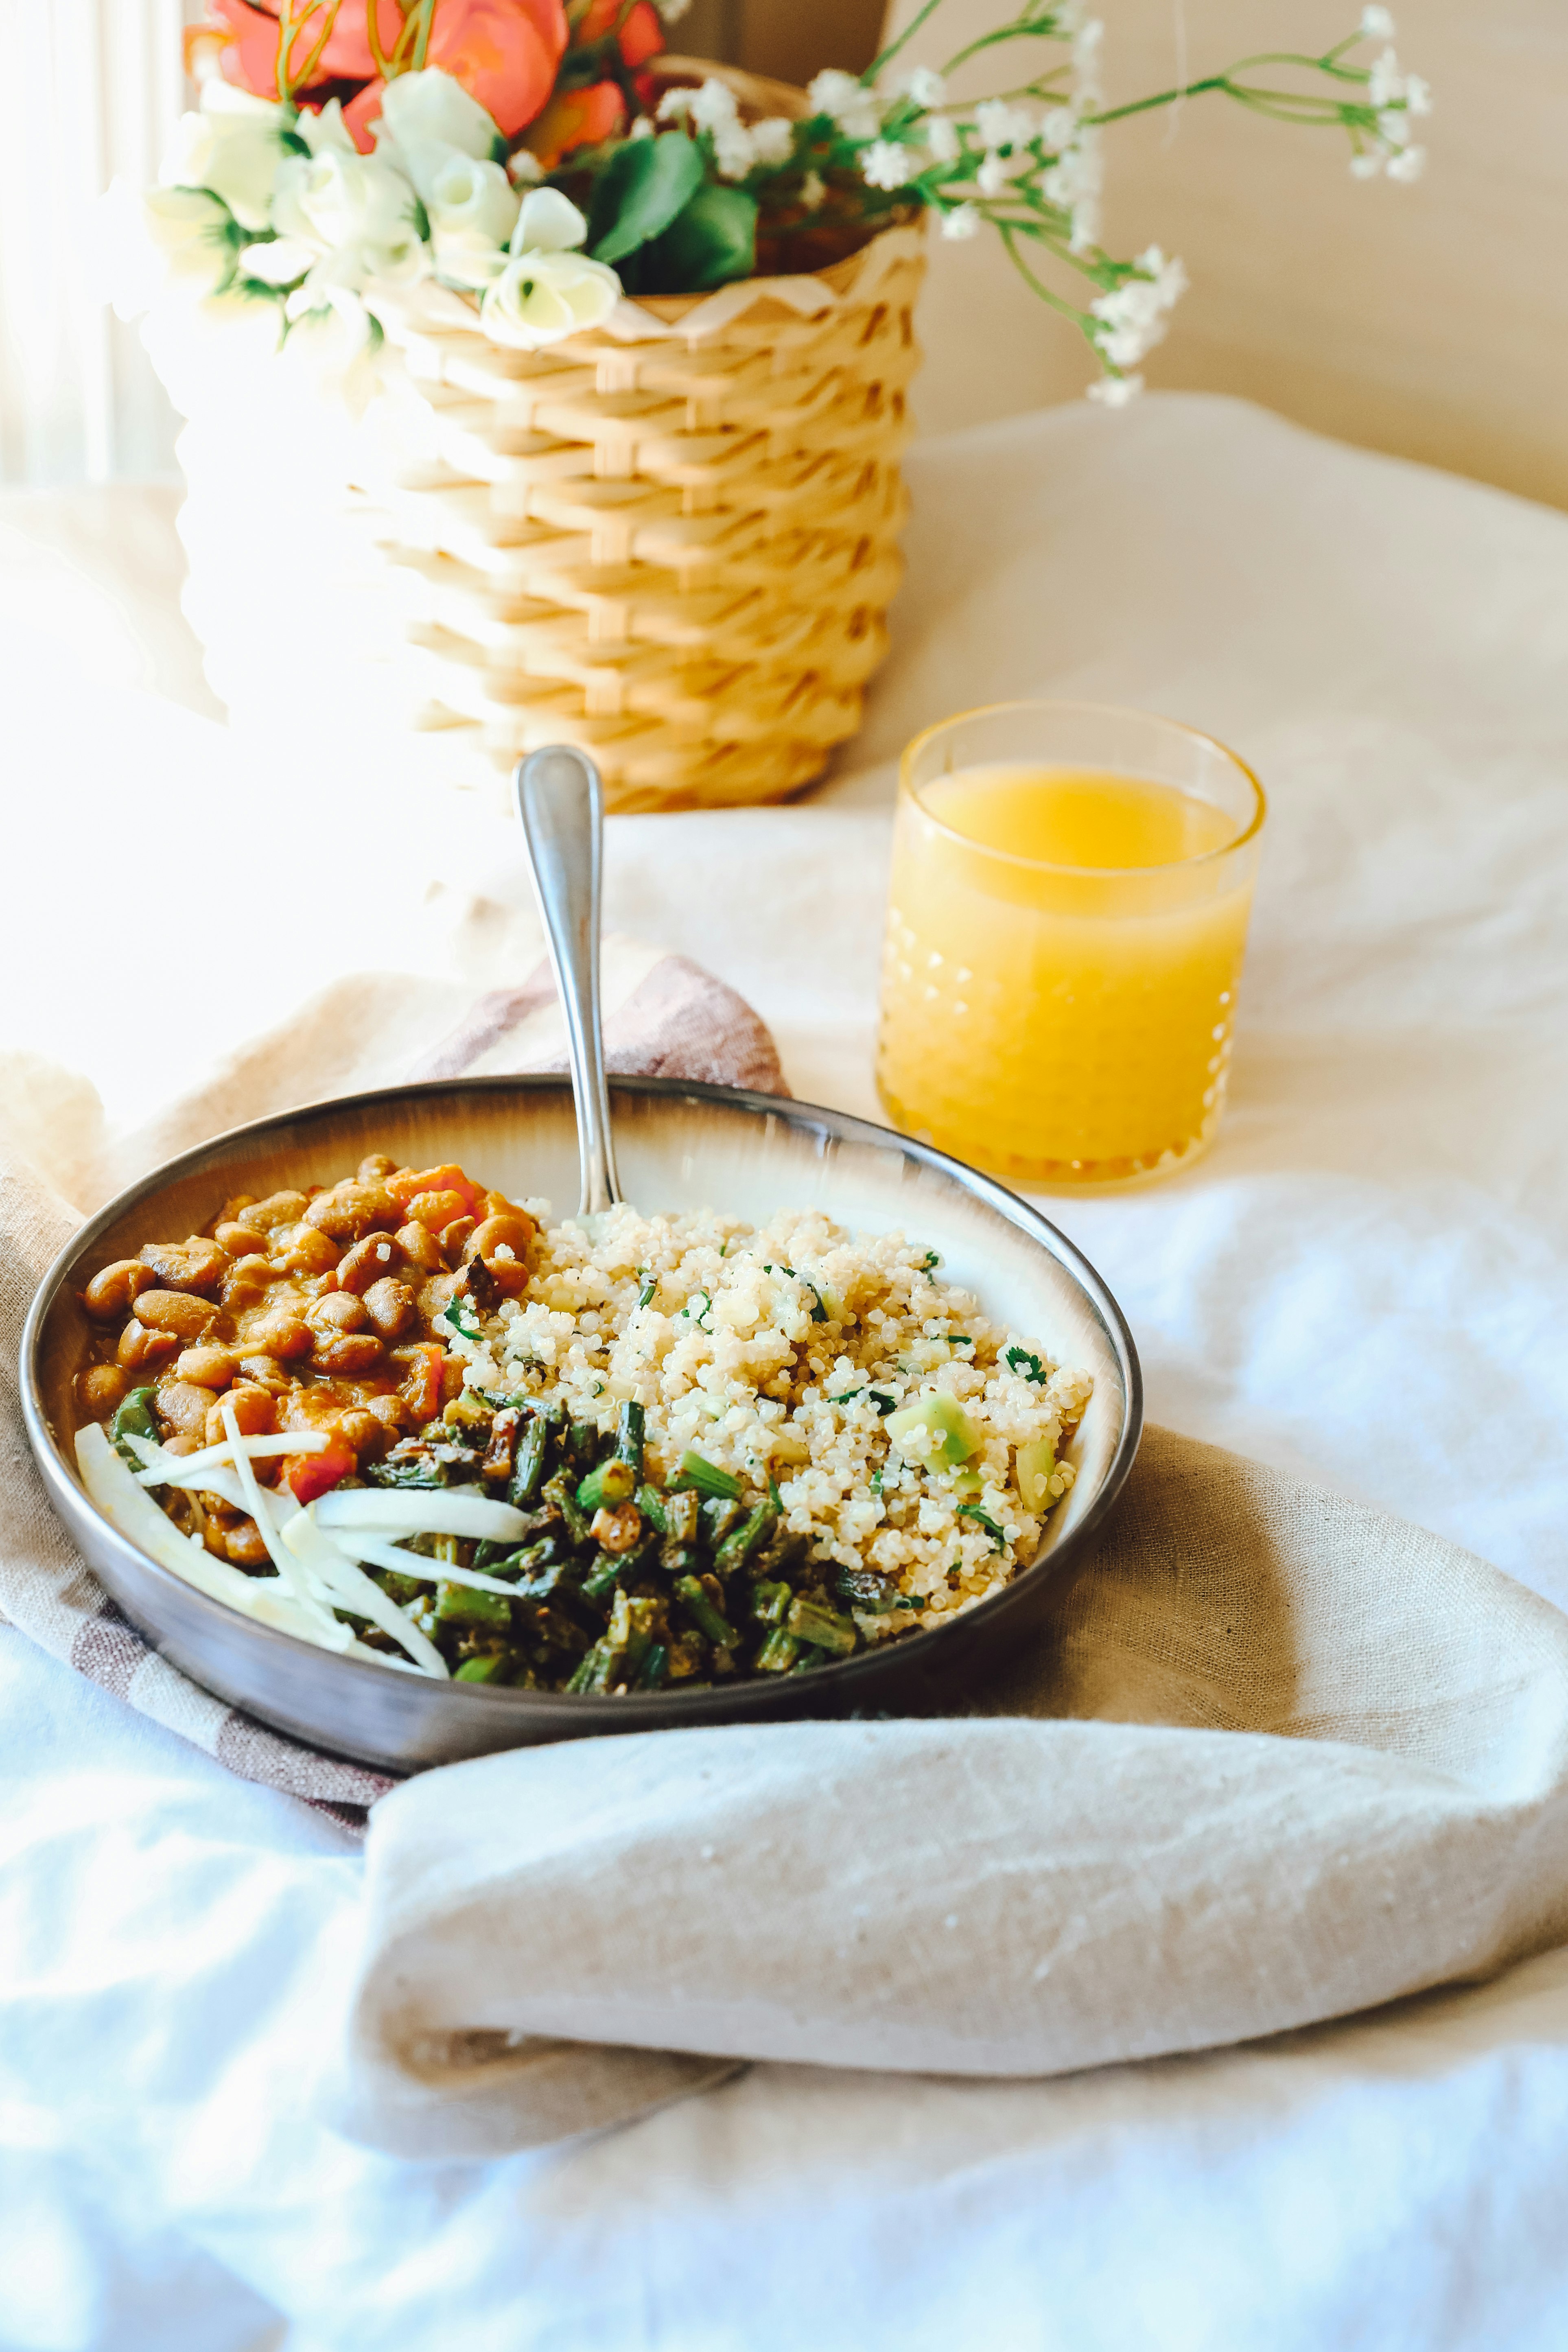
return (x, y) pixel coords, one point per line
(412, 1511)
(166, 1469)
(351, 1589)
(261, 1507)
(128, 1507)
(212, 1457)
(381, 1554)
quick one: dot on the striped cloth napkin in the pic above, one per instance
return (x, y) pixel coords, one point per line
(664, 1016)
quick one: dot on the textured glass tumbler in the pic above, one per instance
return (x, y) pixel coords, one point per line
(1066, 1023)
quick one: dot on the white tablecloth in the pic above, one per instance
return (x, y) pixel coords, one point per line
(1366, 1280)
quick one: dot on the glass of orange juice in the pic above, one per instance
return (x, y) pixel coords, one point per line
(1067, 917)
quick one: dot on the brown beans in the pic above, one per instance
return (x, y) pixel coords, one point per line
(338, 1312)
(247, 1283)
(364, 1430)
(421, 1248)
(139, 1348)
(375, 1169)
(102, 1387)
(175, 1311)
(110, 1293)
(210, 1367)
(278, 1208)
(390, 1411)
(185, 1406)
(196, 1265)
(501, 1243)
(303, 1249)
(284, 1335)
(348, 1352)
(245, 1546)
(239, 1239)
(369, 1261)
(435, 1209)
(349, 1212)
(499, 1233)
(253, 1410)
(453, 1237)
(391, 1306)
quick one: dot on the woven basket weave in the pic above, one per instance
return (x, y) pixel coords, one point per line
(671, 540)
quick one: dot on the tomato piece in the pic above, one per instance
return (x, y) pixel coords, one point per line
(310, 1475)
(421, 1391)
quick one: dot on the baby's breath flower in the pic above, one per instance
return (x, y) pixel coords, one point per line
(885, 164)
(1386, 82)
(1417, 95)
(922, 87)
(1408, 164)
(961, 222)
(642, 128)
(672, 11)
(1116, 391)
(772, 142)
(992, 177)
(713, 107)
(846, 101)
(1367, 164)
(1376, 25)
(942, 140)
(1001, 125)
(1132, 317)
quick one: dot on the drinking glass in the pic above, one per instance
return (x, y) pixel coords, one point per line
(1068, 916)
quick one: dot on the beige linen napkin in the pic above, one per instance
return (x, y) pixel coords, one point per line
(663, 1015)
(1273, 1758)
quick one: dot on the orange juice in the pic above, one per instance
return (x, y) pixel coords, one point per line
(1064, 945)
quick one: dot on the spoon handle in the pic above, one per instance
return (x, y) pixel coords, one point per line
(561, 800)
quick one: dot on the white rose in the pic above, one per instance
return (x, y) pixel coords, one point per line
(355, 213)
(158, 241)
(540, 298)
(335, 343)
(547, 290)
(233, 146)
(473, 208)
(424, 119)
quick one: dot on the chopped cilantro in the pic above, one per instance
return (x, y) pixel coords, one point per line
(974, 1511)
(1029, 1365)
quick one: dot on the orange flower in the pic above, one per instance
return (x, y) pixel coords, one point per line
(504, 52)
(249, 35)
(642, 35)
(575, 118)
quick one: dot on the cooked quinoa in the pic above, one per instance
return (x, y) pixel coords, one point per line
(781, 1354)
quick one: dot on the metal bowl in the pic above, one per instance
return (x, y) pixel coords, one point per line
(680, 1146)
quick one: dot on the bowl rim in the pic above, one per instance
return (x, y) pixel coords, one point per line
(61, 1479)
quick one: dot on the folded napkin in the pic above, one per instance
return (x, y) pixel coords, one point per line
(1274, 1758)
(663, 1016)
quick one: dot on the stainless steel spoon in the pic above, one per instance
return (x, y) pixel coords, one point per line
(561, 800)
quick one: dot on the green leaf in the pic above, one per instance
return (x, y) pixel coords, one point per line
(713, 240)
(639, 192)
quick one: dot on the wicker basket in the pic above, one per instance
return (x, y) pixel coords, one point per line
(672, 540)
(676, 551)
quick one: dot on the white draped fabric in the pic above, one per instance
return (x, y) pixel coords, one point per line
(1365, 1281)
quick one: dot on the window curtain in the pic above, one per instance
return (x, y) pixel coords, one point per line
(93, 88)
